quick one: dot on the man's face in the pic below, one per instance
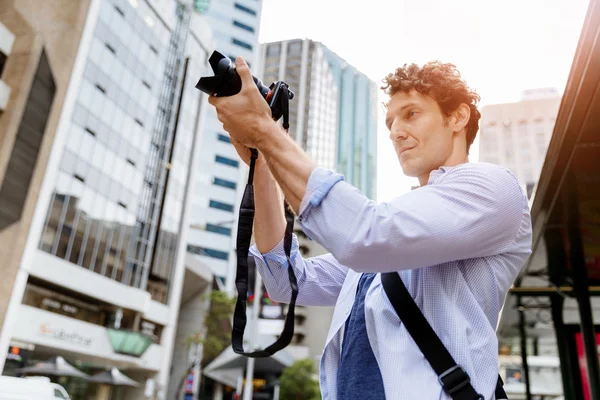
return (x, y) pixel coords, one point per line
(422, 138)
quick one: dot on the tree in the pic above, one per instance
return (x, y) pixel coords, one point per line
(297, 382)
(217, 326)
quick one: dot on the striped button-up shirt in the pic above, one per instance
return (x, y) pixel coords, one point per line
(458, 243)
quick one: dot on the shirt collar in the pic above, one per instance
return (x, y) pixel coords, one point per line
(436, 174)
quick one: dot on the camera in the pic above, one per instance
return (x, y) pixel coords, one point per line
(227, 82)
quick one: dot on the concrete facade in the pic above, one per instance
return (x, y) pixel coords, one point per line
(73, 67)
(516, 135)
(54, 28)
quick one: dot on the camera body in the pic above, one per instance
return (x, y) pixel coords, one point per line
(227, 82)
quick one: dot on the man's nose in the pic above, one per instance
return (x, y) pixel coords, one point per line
(397, 133)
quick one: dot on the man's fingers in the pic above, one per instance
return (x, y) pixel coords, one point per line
(244, 72)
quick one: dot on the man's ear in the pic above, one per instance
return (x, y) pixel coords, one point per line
(461, 117)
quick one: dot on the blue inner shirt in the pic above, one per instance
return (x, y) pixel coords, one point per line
(358, 376)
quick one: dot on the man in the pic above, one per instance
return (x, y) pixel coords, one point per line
(457, 242)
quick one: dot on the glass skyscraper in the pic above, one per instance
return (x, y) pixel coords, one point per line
(334, 115)
(357, 126)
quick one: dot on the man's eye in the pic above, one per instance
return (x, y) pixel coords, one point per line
(411, 114)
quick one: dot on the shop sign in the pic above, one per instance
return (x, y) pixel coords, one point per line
(57, 305)
(148, 328)
(60, 334)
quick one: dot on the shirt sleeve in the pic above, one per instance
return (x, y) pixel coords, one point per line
(319, 278)
(472, 211)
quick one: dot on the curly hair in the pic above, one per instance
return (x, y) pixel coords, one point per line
(443, 83)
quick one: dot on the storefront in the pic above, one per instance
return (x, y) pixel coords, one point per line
(90, 335)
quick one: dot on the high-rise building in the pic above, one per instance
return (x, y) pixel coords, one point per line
(334, 115)
(220, 176)
(97, 141)
(334, 118)
(357, 125)
(302, 64)
(516, 135)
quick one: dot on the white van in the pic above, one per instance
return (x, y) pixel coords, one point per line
(34, 388)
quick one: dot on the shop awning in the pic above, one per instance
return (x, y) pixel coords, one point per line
(228, 377)
(114, 377)
(228, 359)
(55, 366)
(130, 342)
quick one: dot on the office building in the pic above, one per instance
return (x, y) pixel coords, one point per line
(220, 177)
(334, 115)
(97, 144)
(516, 135)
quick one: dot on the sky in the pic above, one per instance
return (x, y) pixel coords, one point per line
(501, 47)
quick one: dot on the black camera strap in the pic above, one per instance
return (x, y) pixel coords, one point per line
(244, 236)
(453, 378)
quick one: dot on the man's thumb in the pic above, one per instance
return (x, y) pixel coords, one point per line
(243, 71)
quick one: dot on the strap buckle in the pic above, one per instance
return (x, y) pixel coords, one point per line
(454, 379)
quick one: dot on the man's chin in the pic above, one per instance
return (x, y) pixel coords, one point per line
(408, 171)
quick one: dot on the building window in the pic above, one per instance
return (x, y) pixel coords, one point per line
(22, 161)
(273, 50)
(120, 11)
(222, 230)
(227, 161)
(201, 6)
(224, 183)
(202, 251)
(241, 44)
(220, 206)
(3, 58)
(223, 138)
(244, 9)
(295, 47)
(110, 48)
(100, 88)
(60, 303)
(243, 26)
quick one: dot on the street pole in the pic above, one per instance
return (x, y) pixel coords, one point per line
(524, 360)
(239, 387)
(197, 370)
(253, 336)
